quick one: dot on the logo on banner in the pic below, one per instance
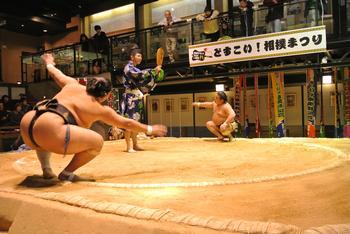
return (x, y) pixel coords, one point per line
(201, 55)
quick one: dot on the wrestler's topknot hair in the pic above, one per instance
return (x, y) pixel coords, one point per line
(222, 96)
(98, 86)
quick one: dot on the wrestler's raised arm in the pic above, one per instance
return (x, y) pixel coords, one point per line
(109, 116)
(203, 104)
(60, 78)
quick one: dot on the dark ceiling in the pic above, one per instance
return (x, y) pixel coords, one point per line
(33, 17)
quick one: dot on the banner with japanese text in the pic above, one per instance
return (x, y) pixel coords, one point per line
(237, 100)
(311, 86)
(346, 87)
(278, 100)
(281, 44)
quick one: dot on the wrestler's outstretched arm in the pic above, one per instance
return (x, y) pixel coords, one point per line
(109, 116)
(60, 78)
(203, 104)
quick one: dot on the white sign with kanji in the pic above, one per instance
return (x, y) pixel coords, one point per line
(287, 43)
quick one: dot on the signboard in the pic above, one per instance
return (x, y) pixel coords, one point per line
(288, 43)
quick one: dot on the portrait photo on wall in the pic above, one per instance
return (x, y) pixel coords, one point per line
(291, 99)
(155, 106)
(202, 99)
(252, 101)
(169, 105)
(184, 102)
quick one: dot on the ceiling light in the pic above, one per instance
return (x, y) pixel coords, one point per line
(324, 60)
(22, 25)
(2, 22)
(45, 30)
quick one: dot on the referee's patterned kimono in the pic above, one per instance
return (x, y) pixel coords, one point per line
(136, 82)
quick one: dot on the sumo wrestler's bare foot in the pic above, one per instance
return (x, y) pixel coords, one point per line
(221, 138)
(130, 150)
(64, 176)
(48, 174)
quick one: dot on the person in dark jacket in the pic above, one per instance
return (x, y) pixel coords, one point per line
(100, 40)
(274, 14)
(246, 17)
(85, 42)
(5, 99)
(311, 14)
(3, 115)
(25, 106)
(16, 115)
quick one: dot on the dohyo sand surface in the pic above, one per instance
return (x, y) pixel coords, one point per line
(185, 185)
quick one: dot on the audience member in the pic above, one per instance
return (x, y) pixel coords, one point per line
(311, 14)
(25, 106)
(5, 99)
(97, 67)
(3, 115)
(85, 43)
(210, 23)
(16, 115)
(246, 17)
(171, 34)
(274, 14)
(100, 40)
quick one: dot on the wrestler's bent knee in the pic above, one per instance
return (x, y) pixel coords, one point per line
(93, 152)
(99, 143)
(210, 124)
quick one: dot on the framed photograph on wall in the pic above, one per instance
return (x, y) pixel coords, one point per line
(169, 105)
(155, 106)
(184, 104)
(252, 101)
(291, 99)
(202, 99)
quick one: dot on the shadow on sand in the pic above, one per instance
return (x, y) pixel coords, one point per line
(37, 181)
(215, 140)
